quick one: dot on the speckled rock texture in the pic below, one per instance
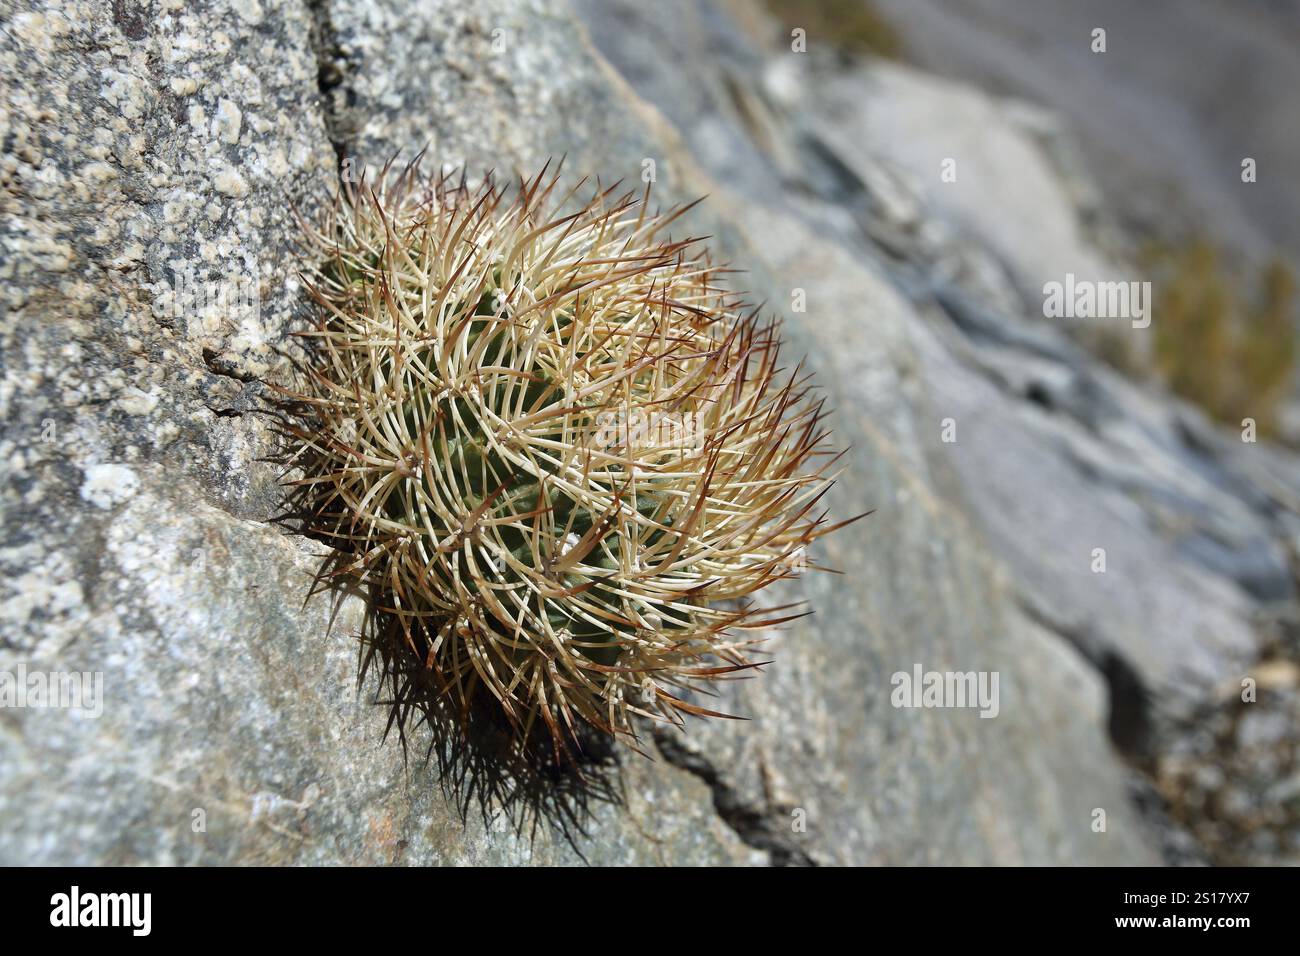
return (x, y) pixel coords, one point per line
(154, 153)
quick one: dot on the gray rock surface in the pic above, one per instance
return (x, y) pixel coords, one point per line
(1164, 117)
(141, 148)
(1053, 455)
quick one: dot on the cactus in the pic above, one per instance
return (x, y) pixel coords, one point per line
(558, 454)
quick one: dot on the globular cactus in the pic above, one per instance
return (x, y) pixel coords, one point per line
(552, 448)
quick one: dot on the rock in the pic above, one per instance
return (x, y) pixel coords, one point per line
(151, 168)
(137, 545)
(1051, 456)
(1164, 146)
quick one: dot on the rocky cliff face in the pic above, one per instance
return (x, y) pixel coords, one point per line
(153, 154)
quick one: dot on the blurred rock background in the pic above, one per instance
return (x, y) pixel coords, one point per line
(144, 142)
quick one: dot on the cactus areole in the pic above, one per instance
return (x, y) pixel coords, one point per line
(557, 454)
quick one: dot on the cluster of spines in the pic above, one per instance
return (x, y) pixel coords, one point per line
(479, 365)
